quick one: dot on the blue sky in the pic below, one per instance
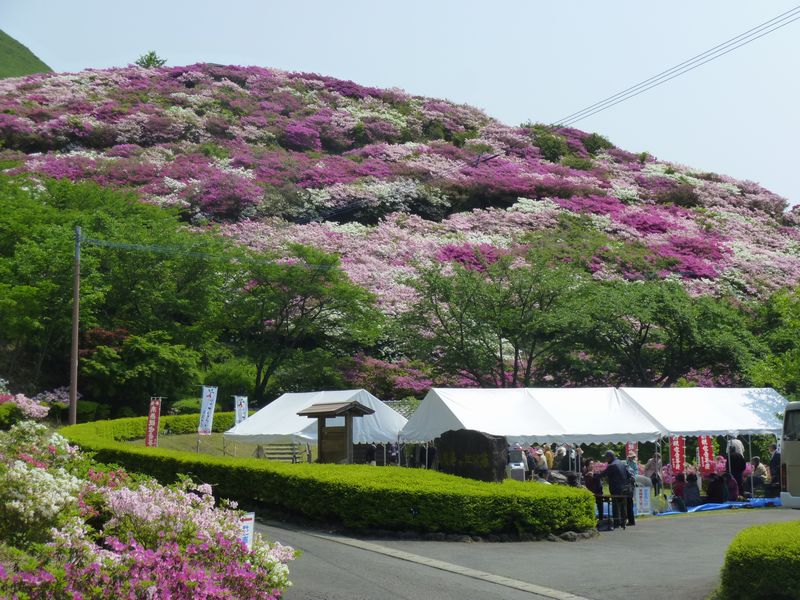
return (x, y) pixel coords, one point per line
(517, 60)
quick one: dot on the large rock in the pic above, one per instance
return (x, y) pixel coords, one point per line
(473, 454)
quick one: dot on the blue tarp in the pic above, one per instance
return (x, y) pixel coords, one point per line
(752, 503)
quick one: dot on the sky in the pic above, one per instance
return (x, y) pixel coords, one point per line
(518, 60)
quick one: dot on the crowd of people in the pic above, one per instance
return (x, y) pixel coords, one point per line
(731, 478)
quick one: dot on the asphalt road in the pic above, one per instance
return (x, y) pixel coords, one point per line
(662, 557)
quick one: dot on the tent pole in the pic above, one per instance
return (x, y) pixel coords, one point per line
(426, 455)
(750, 456)
(384, 454)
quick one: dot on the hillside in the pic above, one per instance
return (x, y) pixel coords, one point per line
(496, 254)
(390, 177)
(17, 60)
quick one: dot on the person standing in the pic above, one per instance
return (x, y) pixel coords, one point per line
(775, 466)
(737, 462)
(617, 474)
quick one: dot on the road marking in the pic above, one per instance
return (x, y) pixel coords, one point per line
(516, 584)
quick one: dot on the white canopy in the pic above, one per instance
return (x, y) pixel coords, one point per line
(278, 422)
(595, 416)
(710, 411)
(511, 412)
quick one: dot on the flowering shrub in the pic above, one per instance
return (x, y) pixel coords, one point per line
(91, 532)
(236, 144)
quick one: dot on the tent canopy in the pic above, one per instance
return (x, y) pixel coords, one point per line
(544, 415)
(596, 416)
(710, 411)
(278, 422)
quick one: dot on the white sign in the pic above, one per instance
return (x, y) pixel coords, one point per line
(209, 400)
(240, 408)
(641, 501)
(248, 522)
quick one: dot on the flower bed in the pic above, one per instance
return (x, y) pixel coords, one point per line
(763, 562)
(73, 528)
(358, 496)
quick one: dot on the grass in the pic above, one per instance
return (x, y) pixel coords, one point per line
(209, 444)
(16, 60)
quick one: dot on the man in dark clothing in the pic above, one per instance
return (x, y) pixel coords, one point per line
(617, 474)
(737, 464)
(775, 466)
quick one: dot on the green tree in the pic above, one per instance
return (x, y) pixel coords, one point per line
(778, 324)
(493, 326)
(143, 366)
(654, 333)
(151, 274)
(278, 307)
(150, 60)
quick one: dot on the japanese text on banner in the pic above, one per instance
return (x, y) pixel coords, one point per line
(677, 453)
(706, 452)
(153, 415)
(209, 400)
(240, 408)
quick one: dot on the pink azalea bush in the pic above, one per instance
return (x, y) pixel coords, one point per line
(386, 179)
(81, 530)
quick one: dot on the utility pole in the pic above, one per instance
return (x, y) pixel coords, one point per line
(73, 358)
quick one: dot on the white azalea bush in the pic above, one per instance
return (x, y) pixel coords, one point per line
(72, 528)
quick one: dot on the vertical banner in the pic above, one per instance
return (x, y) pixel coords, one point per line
(240, 409)
(632, 448)
(248, 522)
(209, 399)
(641, 500)
(677, 456)
(153, 415)
(705, 449)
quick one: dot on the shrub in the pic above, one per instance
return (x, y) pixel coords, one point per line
(358, 496)
(763, 562)
(185, 406)
(552, 146)
(596, 142)
(576, 162)
(9, 414)
(233, 377)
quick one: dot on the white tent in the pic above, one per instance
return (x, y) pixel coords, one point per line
(278, 422)
(595, 416)
(710, 411)
(544, 415)
(511, 412)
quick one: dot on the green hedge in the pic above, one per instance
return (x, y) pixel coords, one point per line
(358, 496)
(763, 562)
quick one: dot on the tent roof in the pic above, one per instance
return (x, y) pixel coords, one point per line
(576, 415)
(336, 409)
(710, 411)
(278, 421)
(596, 415)
(511, 412)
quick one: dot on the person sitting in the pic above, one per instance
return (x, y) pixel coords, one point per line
(732, 487)
(757, 477)
(691, 493)
(717, 489)
(679, 485)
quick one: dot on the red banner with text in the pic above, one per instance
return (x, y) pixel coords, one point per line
(705, 450)
(632, 448)
(677, 453)
(153, 415)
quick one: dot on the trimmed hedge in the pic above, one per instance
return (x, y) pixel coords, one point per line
(358, 496)
(763, 562)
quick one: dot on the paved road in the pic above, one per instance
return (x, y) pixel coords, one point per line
(664, 557)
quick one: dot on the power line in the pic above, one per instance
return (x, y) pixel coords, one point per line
(688, 65)
(687, 62)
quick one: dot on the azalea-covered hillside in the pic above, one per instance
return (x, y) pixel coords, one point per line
(406, 189)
